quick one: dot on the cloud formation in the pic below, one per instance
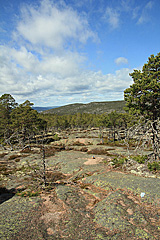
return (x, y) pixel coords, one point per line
(112, 17)
(24, 75)
(121, 60)
(52, 25)
(144, 16)
(45, 64)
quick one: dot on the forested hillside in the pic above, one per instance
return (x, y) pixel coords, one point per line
(91, 108)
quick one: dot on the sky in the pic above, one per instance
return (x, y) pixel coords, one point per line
(58, 52)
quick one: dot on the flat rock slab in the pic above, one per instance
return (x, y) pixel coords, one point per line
(90, 202)
(149, 186)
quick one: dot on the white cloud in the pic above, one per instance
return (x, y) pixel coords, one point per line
(144, 17)
(52, 26)
(112, 17)
(149, 5)
(50, 79)
(42, 67)
(121, 60)
(45, 82)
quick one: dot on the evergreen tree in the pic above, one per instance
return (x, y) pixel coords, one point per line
(143, 96)
(7, 104)
(26, 121)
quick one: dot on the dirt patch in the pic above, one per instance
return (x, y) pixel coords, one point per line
(93, 160)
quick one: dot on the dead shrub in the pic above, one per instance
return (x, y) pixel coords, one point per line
(13, 157)
(98, 151)
(67, 148)
(4, 170)
(77, 143)
(17, 160)
(2, 155)
(3, 167)
(50, 151)
(54, 176)
(28, 150)
(83, 149)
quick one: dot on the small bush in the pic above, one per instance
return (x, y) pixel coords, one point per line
(56, 137)
(140, 158)
(28, 194)
(118, 162)
(155, 166)
(54, 176)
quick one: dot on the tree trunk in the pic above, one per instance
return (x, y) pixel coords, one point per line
(44, 165)
(155, 141)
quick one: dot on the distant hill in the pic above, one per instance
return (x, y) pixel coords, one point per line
(40, 109)
(93, 108)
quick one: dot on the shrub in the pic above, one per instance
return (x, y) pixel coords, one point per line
(140, 158)
(28, 194)
(56, 137)
(118, 162)
(53, 176)
(155, 166)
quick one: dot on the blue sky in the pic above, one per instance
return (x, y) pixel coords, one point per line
(55, 53)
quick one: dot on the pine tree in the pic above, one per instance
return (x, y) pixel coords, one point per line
(143, 96)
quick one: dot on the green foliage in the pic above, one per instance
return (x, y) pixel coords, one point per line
(18, 123)
(118, 162)
(28, 193)
(143, 96)
(140, 158)
(56, 137)
(154, 166)
(8, 102)
(24, 118)
(85, 120)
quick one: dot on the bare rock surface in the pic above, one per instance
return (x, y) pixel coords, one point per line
(85, 198)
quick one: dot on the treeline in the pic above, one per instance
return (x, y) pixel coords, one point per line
(19, 123)
(86, 120)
